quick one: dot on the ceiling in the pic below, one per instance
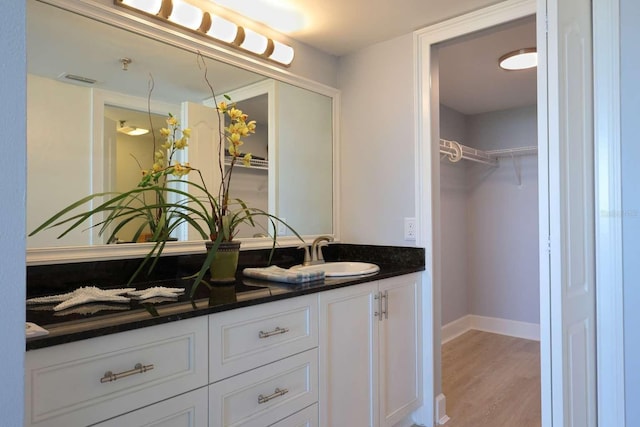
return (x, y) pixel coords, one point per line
(340, 27)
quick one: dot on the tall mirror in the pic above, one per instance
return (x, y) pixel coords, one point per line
(89, 103)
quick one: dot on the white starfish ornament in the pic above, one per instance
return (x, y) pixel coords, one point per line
(157, 291)
(83, 295)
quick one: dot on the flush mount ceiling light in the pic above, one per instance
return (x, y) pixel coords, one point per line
(185, 14)
(131, 130)
(520, 59)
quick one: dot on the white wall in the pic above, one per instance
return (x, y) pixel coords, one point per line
(377, 155)
(630, 109)
(489, 223)
(12, 211)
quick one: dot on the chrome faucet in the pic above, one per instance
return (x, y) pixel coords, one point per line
(316, 248)
(315, 255)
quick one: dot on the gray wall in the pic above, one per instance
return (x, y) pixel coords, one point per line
(12, 211)
(453, 223)
(630, 110)
(489, 221)
(377, 152)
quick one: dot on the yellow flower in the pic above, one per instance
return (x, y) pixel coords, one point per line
(181, 143)
(157, 166)
(186, 133)
(166, 145)
(246, 160)
(159, 155)
(181, 170)
(232, 151)
(235, 114)
(165, 132)
(172, 121)
(244, 117)
(234, 138)
(222, 107)
(252, 126)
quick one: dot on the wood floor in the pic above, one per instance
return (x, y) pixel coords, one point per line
(491, 380)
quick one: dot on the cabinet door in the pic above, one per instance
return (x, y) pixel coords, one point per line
(187, 410)
(400, 350)
(348, 356)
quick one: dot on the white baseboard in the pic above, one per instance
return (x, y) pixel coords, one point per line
(441, 409)
(513, 328)
(456, 328)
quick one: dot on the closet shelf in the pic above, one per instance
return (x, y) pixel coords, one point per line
(455, 152)
(255, 163)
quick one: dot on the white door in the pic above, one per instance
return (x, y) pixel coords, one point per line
(569, 221)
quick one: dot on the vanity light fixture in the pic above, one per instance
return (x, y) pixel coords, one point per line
(520, 59)
(187, 15)
(131, 130)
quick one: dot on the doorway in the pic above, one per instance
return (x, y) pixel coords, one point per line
(488, 226)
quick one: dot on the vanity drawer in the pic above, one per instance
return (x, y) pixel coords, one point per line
(265, 395)
(249, 337)
(67, 385)
(187, 410)
(308, 417)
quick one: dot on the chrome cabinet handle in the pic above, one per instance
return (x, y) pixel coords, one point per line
(277, 393)
(379, 310)
(385, 297)
(277, 331)
(138, 369)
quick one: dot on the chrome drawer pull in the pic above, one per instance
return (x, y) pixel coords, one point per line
(277, 393)
(138, 369)
(277, 331)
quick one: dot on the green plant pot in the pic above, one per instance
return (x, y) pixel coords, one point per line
(225, 262)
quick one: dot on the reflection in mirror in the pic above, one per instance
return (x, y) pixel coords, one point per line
(79, 92)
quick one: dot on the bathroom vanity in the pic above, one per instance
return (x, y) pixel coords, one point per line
(343, 351)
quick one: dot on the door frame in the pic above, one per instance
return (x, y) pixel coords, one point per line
(428, 181)
(608, 197)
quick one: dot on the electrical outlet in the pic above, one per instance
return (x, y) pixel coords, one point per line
(409, 229)
(282, 229)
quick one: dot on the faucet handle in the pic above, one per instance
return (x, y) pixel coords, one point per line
(307, 257)
(319, 255)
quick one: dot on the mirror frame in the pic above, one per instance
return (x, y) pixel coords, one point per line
(118, 17)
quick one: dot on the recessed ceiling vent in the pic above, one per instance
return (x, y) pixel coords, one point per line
(77, 78)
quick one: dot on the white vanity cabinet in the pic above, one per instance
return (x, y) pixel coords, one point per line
(89, 381)
(370, 355)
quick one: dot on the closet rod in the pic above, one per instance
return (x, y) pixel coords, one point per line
(456, 152)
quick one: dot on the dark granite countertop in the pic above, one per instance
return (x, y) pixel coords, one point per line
(98, 319)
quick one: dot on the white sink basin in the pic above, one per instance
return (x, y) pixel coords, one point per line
(340, 269)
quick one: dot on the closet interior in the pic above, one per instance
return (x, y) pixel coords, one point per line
(489, 250)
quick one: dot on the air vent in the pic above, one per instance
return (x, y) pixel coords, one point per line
(80, 79)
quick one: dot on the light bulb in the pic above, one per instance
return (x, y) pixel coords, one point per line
(222, 29)
(254, 42)
(282, 53)
(149, 6)
(186, 14)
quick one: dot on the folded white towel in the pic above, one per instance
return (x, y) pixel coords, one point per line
(279, 274)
